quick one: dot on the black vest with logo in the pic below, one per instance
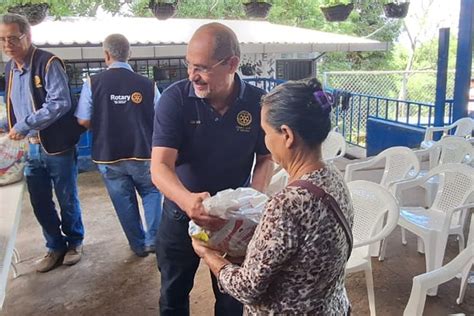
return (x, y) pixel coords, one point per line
(122, 116)
(64, 133)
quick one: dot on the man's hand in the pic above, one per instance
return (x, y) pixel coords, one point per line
(196, 212)
(13, 134)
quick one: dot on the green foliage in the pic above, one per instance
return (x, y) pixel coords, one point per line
(329, 3)
(60, 8)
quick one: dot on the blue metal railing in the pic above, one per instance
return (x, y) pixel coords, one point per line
(266, 84)
(352, 122)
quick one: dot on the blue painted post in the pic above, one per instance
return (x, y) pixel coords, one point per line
(441, 77)
(463, 60)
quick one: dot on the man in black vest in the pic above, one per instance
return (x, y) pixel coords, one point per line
(39, 107)
(118, 106)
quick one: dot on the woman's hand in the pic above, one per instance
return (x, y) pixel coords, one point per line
(201, 249)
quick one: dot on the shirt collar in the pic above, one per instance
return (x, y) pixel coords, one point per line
(27, 64)
(120, 64)
(237, 79)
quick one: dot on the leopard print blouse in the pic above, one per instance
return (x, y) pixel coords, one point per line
(295, 261)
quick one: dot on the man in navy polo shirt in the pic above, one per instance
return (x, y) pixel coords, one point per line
(206, 136)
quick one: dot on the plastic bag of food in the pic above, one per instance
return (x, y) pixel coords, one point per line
(242, 208)
(12, 159)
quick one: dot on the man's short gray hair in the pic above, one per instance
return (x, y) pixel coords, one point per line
(20, 20)
(118, 47)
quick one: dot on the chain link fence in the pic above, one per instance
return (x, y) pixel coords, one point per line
(419, 86)
(398, 96)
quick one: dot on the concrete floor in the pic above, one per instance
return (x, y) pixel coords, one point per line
(110, 280)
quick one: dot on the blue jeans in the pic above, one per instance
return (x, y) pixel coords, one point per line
(59, 172)
(123, 179)
(178, 263)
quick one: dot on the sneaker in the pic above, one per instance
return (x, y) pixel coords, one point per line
(73, 255)
(50, 261)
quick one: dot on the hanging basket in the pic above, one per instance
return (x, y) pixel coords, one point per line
(396, 10)
(257, 9)
(35, 13)
(163, 10)
(337, 13)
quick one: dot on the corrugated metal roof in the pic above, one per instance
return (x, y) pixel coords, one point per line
(78, 31)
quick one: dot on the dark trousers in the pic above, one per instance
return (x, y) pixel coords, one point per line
(178, 263)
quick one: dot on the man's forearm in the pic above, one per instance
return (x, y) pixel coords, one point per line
(166, 180)
(262, 173)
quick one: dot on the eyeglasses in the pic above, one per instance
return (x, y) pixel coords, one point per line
(203, 69)
(14, 40)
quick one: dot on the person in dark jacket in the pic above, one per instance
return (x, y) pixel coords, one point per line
(118, 105)
(39, 108)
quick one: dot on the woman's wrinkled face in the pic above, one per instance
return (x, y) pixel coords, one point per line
(274, 140)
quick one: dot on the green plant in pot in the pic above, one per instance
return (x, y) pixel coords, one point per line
(257, 8)
(34, 11)
(396, 9)
(337, 10)
(163, 9)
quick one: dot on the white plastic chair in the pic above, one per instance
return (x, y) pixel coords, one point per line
(462, 127)
(400, 163)
(372, 203)
(333, 147)
(447, 150)
(446, 215)
(421, 283)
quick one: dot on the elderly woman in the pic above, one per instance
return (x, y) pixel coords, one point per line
(296, 259)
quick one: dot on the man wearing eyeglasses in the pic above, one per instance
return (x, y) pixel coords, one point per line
(39, 108)
(206, 136)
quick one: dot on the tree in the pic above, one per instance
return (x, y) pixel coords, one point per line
(60, 8)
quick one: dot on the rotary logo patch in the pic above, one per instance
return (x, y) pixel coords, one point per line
(137, 97)
(244, 118)
(37, 81)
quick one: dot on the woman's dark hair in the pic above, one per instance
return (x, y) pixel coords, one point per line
(303, 106)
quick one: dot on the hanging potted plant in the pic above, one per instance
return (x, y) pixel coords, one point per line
(35, 13)
(337, 10)
(257, 8)
(396, 9)
(163, 9)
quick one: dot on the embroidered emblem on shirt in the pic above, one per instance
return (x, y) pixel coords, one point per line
(137, 97)
(119, 99)
(37, 80)
(244, 118)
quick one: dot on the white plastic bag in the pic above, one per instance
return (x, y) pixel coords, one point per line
(243, 208)
(12, 159)
(278, 182)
